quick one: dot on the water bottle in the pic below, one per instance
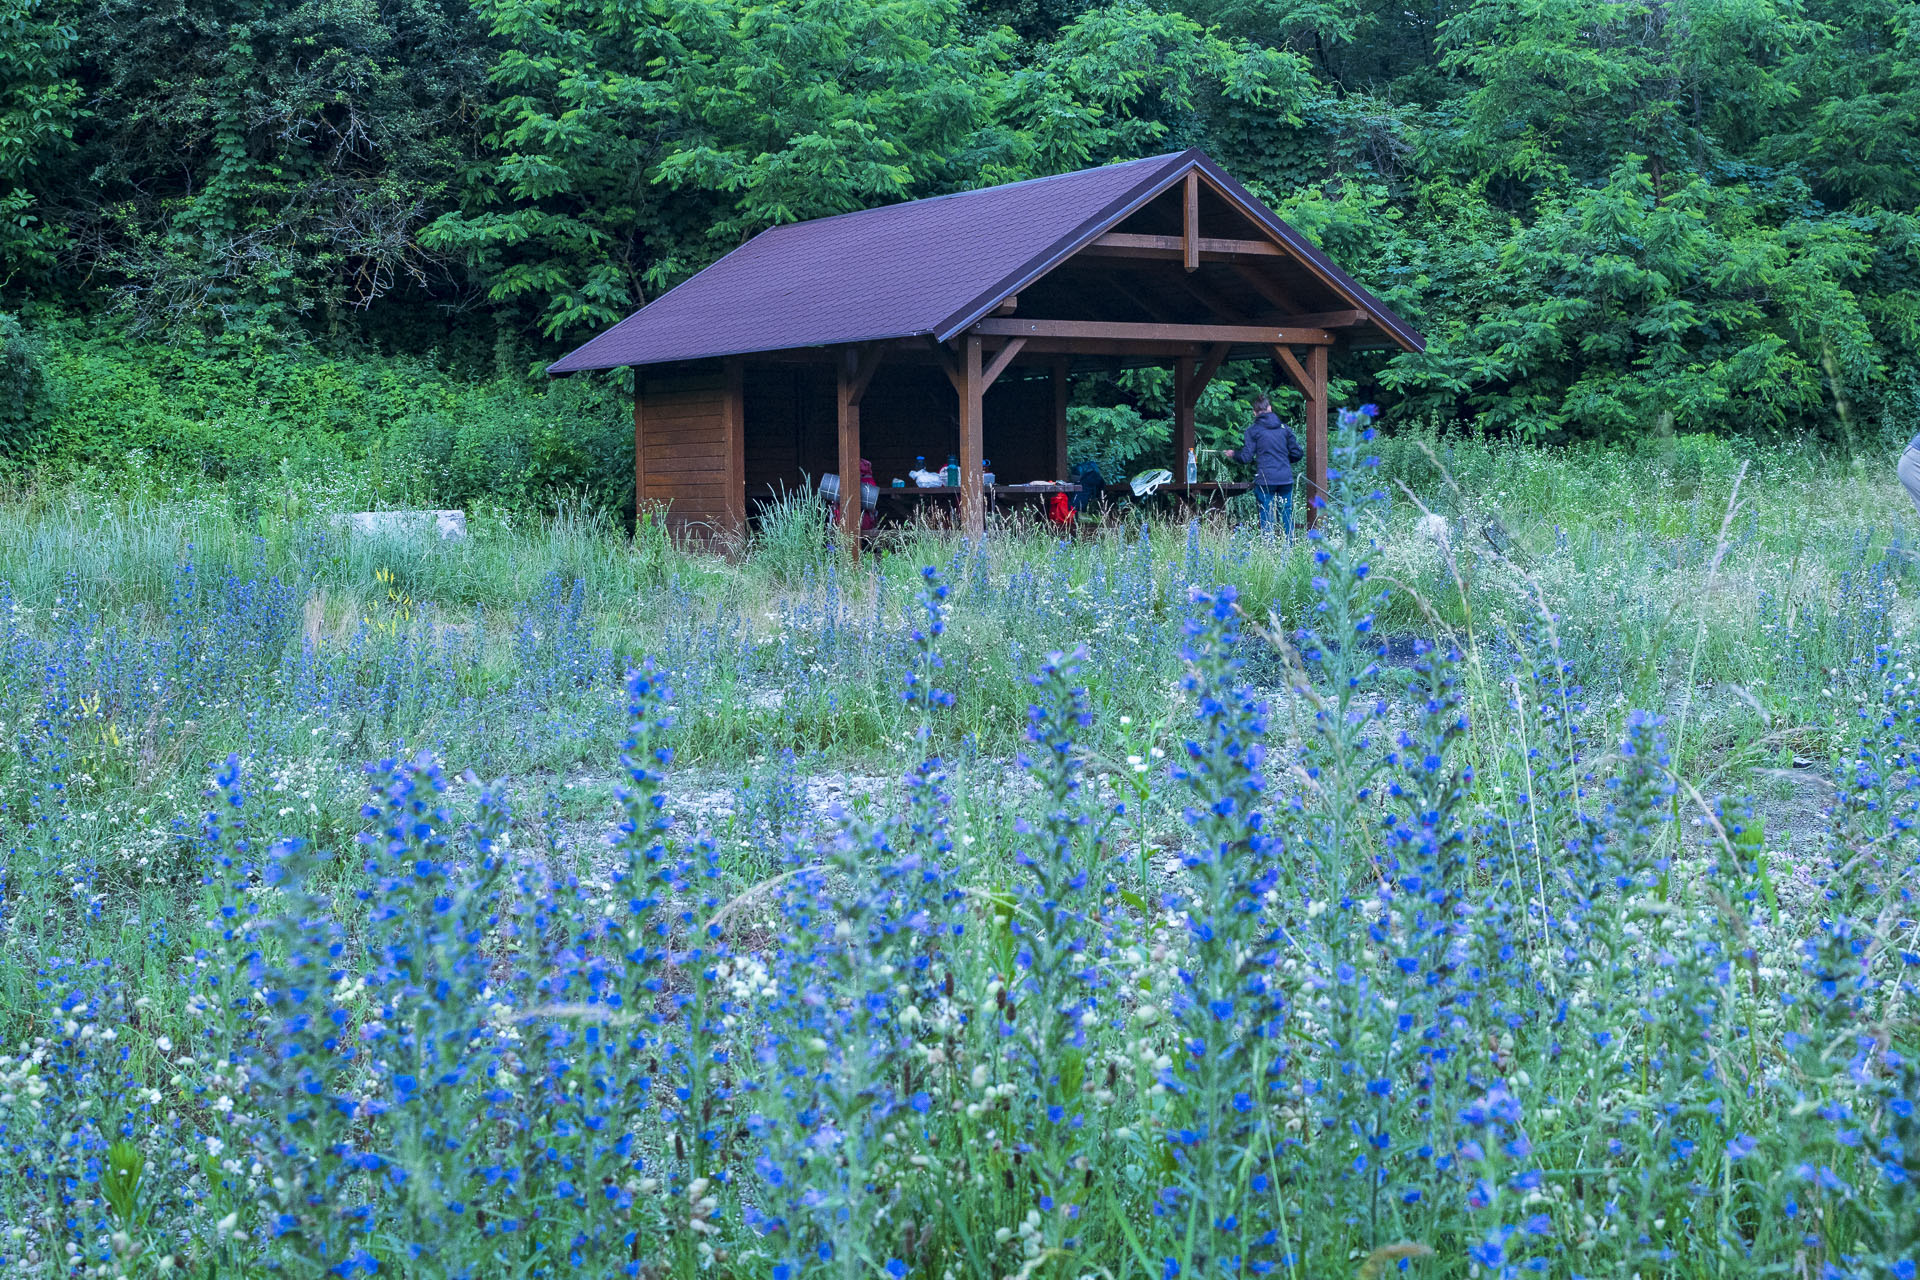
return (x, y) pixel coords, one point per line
(1193, 467)
(953, 471)
(986, 469)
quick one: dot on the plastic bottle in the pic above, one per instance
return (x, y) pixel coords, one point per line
(1193, 467)
(953, 471)
(986, 468)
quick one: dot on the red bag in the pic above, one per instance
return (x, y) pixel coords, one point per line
(1060, 509)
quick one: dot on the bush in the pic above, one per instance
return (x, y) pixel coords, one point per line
(24, 400)
(390, 430)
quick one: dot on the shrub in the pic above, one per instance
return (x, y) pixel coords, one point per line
(24, 401)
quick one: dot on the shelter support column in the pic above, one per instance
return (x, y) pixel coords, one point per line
(1060, 418)
(973, 494)
(1311, 378)
(1316, 428)
(639, 456)
(854, 370)
(733, 414)
(1184, 396)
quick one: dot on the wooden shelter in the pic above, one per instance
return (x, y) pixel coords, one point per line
(951, 326)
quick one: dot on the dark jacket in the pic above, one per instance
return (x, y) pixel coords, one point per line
(1272, 449)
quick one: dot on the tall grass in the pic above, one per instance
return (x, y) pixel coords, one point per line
(1240, 909)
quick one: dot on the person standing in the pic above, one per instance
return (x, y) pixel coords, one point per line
(1273, 450)
(1908, 470)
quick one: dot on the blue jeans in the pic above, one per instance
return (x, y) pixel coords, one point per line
(1266, 495)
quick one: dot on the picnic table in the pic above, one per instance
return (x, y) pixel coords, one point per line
(1180, 496)
(915, 495)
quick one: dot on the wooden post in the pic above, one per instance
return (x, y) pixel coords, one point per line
(1183, 404)
(639, 451)
(1316, 390)
(733, 414)
(847, 402)
(853, 371)
(1190, 224)
(1060, 418)
(973, 496)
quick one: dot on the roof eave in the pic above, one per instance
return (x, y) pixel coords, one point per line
(555, 369)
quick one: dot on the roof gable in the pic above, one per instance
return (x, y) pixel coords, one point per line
(926, 267)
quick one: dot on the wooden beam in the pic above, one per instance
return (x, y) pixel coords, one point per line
(1060, 418)
(1008, 307)
(639, 448)
(1261, 335)
(866, 363)
(733, 414)
(1001, 360)
(1123, 244)
(1316, 430)
(1209, 298)
(1295, 371)
(1209, 366)
(973, 496)
(1160, 352)
(1273, 293)
(848, 388)
(944, 358)
(1190, 224)
(1146, 303)
(1330, 319)
(1182, 412)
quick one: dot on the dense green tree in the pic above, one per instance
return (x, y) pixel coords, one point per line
(1619, 311)
(1609, 216)
(36, 119)
(634, 140)
(253, 163)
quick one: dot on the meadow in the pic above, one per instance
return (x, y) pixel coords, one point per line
(1170, 901)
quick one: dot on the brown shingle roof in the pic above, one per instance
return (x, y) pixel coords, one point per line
(927, 267)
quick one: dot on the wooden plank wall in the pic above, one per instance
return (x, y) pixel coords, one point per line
(688, 448)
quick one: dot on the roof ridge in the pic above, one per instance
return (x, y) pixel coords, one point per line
(781, 227)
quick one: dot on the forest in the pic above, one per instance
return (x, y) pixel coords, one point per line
(237, 234)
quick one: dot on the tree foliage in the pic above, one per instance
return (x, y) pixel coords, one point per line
(36, 119)
(1611, 217)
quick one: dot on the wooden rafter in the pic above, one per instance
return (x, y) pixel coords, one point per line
(1120, 286)
(1209, 297)
(1266, 288)
(1190, 223)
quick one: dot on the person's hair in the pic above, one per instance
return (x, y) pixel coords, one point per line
(1261, 403)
